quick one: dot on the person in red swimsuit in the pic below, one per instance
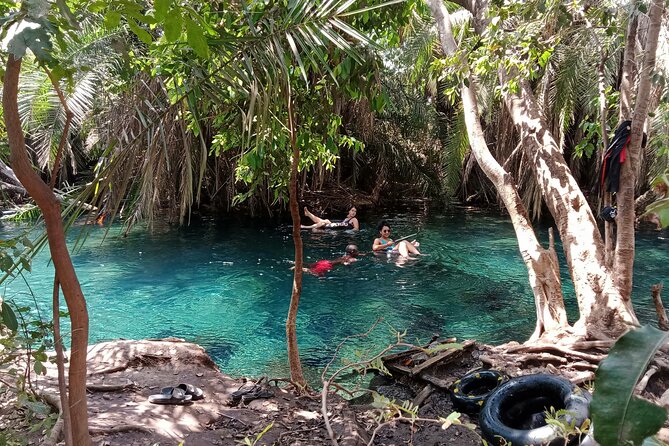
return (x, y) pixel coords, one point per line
(323, 266)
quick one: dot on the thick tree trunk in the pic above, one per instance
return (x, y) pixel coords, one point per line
(603, 311)
(294, 362)
(50, 207)
(624, 255)
(542, 266)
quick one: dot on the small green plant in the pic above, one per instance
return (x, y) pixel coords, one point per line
(564, 429)
(253, 442)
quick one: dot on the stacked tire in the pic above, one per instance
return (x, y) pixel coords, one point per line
(470, 392)
(514, 412)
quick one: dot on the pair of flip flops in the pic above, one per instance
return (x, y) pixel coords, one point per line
(177, 395)
(246, 394)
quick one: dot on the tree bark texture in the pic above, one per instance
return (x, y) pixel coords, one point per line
(624, 255)
(628, 70)
(603, 311)
(603, 119)
(662, 321)
(294, 362)
(50, 207)
(542, 267)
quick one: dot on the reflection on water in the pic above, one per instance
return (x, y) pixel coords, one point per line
(227, 286)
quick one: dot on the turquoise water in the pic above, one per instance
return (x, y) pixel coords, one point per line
(226, 285)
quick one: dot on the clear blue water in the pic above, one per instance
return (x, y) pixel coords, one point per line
(226, 285)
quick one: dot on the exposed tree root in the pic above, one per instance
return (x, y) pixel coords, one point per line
(118, 429)
(564, 350)
(641, 386)
(110, 387)
(662, 320)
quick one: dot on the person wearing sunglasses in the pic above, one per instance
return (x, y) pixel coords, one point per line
(350, 222)
(385, 243)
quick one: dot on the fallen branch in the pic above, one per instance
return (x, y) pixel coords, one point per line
(232, 418)
(118, 429)
(109, 387)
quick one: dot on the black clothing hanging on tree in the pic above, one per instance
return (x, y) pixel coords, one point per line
(615, 156)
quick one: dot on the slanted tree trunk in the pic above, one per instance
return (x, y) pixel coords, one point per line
(50, 207)
(603, 311)
(542, 266)
(624, 255)
(294, 362)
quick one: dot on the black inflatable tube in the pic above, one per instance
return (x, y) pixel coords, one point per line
(470, 392)
(513, 412)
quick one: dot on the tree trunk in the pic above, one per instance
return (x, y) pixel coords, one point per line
(50, 207)
(603, 311)
(542, 266)
(624, 255)
(603, 119)
(628, 70)
(296, 374)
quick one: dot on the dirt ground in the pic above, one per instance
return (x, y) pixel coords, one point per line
(122, 375)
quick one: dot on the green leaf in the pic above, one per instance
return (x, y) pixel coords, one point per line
(161, 6)
(27, 243)
(618, 417)
(39, 368)
(112, 19)
(34, 37)
(173, 27)
(8, 317)
(139, 32)
(661, 209)
(196, 38)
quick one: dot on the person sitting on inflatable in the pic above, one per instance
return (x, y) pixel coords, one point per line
(323, 266)
(385, 243)
(350, 222)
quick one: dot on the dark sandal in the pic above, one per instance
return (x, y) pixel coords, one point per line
(195, 392)
(172, 396)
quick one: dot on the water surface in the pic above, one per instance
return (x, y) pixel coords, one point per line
(226, 286)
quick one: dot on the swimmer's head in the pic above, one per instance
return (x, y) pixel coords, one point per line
(352, 250)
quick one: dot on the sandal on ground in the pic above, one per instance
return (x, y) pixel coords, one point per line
(195, 392)
(256, 394)
(243, 390)
(172, 396)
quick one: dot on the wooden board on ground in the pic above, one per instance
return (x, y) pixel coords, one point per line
(417, 362)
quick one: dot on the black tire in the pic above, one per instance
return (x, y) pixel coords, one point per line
(513, 413)
(470, 392)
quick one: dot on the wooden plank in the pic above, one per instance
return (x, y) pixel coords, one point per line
(440, 357)
(402, 354)
(441, 383)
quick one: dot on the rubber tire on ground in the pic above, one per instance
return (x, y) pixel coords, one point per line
(470, 392)
(507, 415)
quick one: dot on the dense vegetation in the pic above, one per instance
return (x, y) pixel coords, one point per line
(136, 109)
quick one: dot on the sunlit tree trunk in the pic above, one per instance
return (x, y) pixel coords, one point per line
(50, 207)
(294, 362)
(624, 255)
(603, 311)
(542, 265)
